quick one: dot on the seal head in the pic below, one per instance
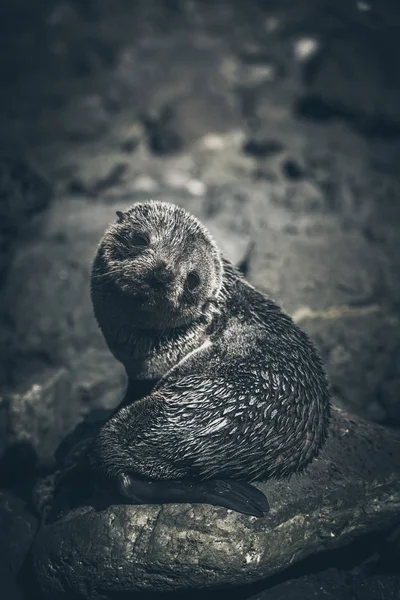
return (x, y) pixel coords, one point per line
(162, 263)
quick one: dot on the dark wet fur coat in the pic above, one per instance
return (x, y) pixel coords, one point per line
(251, 403)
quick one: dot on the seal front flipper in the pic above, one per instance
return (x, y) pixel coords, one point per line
(235, 495)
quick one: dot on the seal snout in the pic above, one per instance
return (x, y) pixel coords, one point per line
(163, 273)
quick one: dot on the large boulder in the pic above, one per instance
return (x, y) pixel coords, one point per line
(97, 553)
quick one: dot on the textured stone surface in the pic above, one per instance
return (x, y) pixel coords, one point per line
(353, 488)
(34, 422)
(325, 269)
(333, 585)
(361, 352)
(53, 330)
(23, 193)
(17, 530)
(356, 76)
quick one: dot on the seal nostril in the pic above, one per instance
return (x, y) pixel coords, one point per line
(163, 274)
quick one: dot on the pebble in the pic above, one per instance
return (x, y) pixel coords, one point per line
(304, 48)
(176, 179)
(145, 183)
(196, 187)
(212, 141)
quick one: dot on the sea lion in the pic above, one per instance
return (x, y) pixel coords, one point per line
(236, 392)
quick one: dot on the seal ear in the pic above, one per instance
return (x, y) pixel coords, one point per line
(121, 216)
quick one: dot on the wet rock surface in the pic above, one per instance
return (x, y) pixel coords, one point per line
(351, 489)
(279, 130)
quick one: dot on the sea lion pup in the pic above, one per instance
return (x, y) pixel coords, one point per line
(236, 392)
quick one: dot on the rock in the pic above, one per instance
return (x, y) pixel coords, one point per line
(34, 422)
(304, 48)
(227, 215)
(9, 585)
(98, 379)
(131, 137)
(354, 75)
(113, 178)
(162, 136)
(85, 117)
(54, 267)
(253, 69)
(17, 530)
(330, 584)
(333, 584)
(384, 586)
(215, 110)
(320, 268)
(224, 165)
(146, 184)
(361, 351)
(99, 383)
(23, 193)
(97, 175)
(351, 489)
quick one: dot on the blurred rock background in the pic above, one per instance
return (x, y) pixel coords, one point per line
(276, 122)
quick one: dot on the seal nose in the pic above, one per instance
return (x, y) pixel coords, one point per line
(163, 273)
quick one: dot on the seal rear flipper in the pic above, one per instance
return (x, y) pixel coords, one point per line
(235, 495)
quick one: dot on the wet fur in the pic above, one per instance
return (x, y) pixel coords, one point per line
(241, 391)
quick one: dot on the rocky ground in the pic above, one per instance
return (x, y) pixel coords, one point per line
(277, 123)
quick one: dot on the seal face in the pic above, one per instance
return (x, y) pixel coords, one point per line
(240, 391)
(156, 278)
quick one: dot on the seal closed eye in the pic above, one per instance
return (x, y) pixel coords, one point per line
(238, 391)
